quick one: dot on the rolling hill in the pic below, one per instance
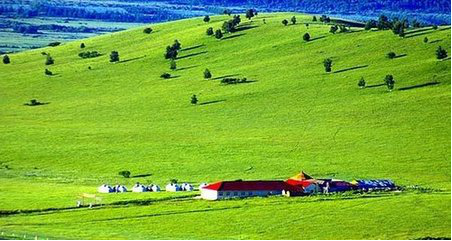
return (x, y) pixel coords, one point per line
(101, 118)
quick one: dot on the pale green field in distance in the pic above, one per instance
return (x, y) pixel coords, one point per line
(293, 117)
(13, 42)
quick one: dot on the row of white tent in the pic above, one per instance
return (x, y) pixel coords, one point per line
(172, 187)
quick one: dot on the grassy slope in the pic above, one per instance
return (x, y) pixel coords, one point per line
(124, 117)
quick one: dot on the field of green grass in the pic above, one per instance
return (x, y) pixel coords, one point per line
(292, 116)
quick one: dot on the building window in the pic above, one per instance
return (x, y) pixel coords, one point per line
(220, 194)
(242, 194)
(236, 193)
(250, 193)
(227, 193)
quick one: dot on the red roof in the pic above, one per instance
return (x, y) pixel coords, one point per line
(252, 186)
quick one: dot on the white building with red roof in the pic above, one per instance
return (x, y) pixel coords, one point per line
(241, 189)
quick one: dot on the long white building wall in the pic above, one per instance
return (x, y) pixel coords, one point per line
(209, 194)
(215, 195)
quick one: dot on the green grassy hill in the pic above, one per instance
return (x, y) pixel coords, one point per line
(292, 116)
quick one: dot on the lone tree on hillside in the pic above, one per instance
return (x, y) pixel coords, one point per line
(125, 174)
(173, 65)
(114, 56)
(228, 26)
(285, 22)
(391, 55)
(306, 37)
(293, 20)
(82, 45)
(362, 83)
(34, 102)
(48, 72)
(6, 59)
(207, 74)
(328, 63)
(441, 53)
(307, 25)
(218, 34)
(165, 76)
(209, 31)
(333, 29)
(147, 30)
(425, 40)
(172, 51)
(250, 13)
(49, 60)
(206, 19)
(314, 18)
(194, 100)
(389, 81)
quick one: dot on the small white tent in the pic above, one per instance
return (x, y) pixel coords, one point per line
(154, 188)
(120, 188)
(105, 189)
(172, 187)
(139, 188)
(187, 187)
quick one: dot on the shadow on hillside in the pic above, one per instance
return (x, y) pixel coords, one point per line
(224, 76)
(233, 36)
(419, 86)
(400, 56)
(238, 83)
(352, 68)
(193, 47)
(317, 38)
(436, 41)
(173, 77)
(376, 85)
(192, 55)
(417, 34)
(417, 30)
(212, 102)
(36, 104)
(243, 28)
(132, 59)
(355, 31)
(188, 67)
(142, 175)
